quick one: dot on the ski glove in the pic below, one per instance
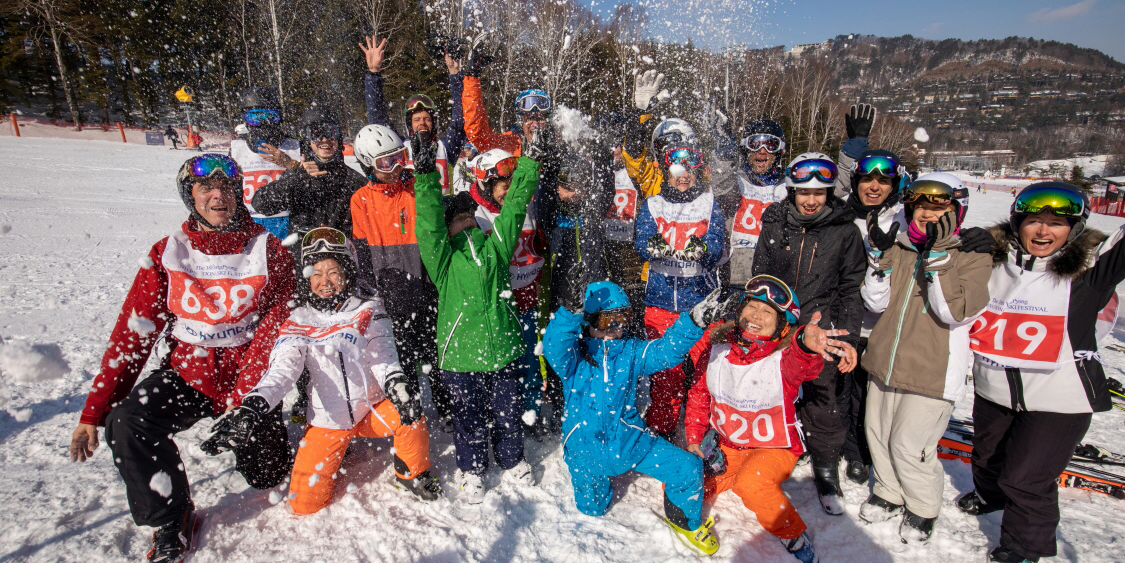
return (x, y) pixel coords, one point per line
(424, 148)
(938, 231)
(977, 239)
(859, 120)
(541, 145)
(647, 86)
(658, 247)
(233, 429)
(693, 251)
(404, 395)
(881, 241)
(574, 298)
(478, 59)
(710, 309)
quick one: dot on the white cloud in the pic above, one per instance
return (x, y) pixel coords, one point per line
(1062, 14)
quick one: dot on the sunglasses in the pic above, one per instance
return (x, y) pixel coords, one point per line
(932, 191)
(807, 170)
(690, 158)
(502, 169)
(1063, 203)
(318, 131)
(755, 143)
(259, 117)
(878, 165)
(388, 162)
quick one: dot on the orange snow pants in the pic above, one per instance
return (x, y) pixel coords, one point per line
(756, 476)
(322, 450)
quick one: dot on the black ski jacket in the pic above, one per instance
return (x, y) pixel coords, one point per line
(823, 262)
(323, 201)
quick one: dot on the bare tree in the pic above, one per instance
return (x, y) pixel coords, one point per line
(385, 18)
(625, 33)
(283, 17)
(565, 33)
(52, 21)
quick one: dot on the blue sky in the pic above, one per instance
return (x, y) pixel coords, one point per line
(1097, 24)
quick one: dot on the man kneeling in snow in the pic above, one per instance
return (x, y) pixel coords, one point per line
(222, 287)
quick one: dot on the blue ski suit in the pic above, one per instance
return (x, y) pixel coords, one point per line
(604, 434)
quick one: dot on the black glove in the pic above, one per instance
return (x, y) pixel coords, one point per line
(710, 309)
(574, 298)
(859, 120)
(233, 429)
(938, 231)
(402, 390)
(541, 145)
(693, 251)
(976, 239)
(658, 247)
(880, 240)
(478, 58)
(425, 152)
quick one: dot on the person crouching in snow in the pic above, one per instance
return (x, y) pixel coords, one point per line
(603, 434)
(218, 346)
(480, 341)
(929, 282)
(750, 372)
(357, 387)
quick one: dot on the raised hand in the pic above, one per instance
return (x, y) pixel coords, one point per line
(709, 310)
(452, 64)
(311, 167)
(276, 156)
(373, 51)
(820, 341)
(424, 149)
(976, 239)
(648, 85)
(859, 120)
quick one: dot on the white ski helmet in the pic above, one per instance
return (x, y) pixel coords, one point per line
(374, 141)
(810, 170)
(493, 163)
(960, 192)
(672, 130)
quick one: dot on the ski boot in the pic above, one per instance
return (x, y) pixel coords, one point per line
(700, 539)
(858, 473)
(520, 475)
(878, 509)
(1004, 555)
(472, 487)
(423, 486)
(915, 529)
(826, 477)
(172, 542)
(970, 503)
(801, 548)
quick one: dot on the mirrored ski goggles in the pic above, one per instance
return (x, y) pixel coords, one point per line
(878, 165)
(755, 143)
(774, 291)
(932, 191)
(502, 169)
(259, 117)
(1059, 201)
(690, 158)
(533, 102)
(613, 318)
(417, 102)
(324, 239)
(318, 131)
(388, 162)
(208, 165)
(818, 168)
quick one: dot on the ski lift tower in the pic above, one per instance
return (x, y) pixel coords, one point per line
(185, 96)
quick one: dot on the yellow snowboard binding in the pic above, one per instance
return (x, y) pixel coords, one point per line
(701, 539)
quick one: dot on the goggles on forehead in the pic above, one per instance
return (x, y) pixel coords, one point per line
(932, 191)
(417, 102)
(324, 239)
(773, 291)
(772, 143)
(210, 165)
(262, 116)
(690, 158)
(818, 168)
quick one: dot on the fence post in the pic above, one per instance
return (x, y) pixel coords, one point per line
(15, 124)
(122, 129)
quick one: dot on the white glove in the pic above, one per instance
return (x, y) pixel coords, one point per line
(647, 86)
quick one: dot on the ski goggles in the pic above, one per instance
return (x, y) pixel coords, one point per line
(815, 168)
(262, 116)
(502, 169)
(613, 318)
(669, 139)
(388, 162)
(1059, 201)
(318, 131)
(533, 102)
(773, 291)
(772, 143)
(210, 165)
(691, 158)
(419, 102)
(878, 165)
(573, 175)
(932, 191)
(324, 239)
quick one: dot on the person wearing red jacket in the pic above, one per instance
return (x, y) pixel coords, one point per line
(749, 375)
(218, 290)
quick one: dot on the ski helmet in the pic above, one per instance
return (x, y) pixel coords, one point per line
(776, 294)
(1060, 198)
(533, 100)
(672, 130)
(374, 143)
(417, 103)
(319, 122)
(493, 163)
(458, 204)
(326, 242)
(937, 187)
(879, 162)
(606, 306)
(810, 170)
(259, 97)
(757, 135)
(202, 167)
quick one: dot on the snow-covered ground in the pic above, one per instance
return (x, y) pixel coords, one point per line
(75, 217)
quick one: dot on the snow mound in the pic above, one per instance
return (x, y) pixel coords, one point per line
(24, 362)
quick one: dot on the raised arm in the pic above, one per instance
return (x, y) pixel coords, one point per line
(430, 227)
(560, 342)
(508, 226)
(477, 129)
(669, 350)
(373, 81)
(454, 138)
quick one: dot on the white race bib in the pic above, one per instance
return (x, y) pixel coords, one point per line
(748, 219)
(621, 219)
(748, 402)
(1025, 321)
(678, 222)
(257, 171)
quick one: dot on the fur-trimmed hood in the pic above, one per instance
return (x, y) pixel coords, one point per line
(1069, 262)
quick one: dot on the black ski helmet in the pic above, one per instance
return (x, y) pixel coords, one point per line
(256, 97)
(316, 115)
(900, 182)
(225, 167)
(764, 127)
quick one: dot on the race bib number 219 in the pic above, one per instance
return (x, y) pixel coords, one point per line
(1018, 336)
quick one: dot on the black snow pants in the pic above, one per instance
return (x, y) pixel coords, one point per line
(820, 417)
(851, 398)
(139, 433)
(1016, 458)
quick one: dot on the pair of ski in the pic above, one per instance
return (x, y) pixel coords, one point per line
(1092, 468)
